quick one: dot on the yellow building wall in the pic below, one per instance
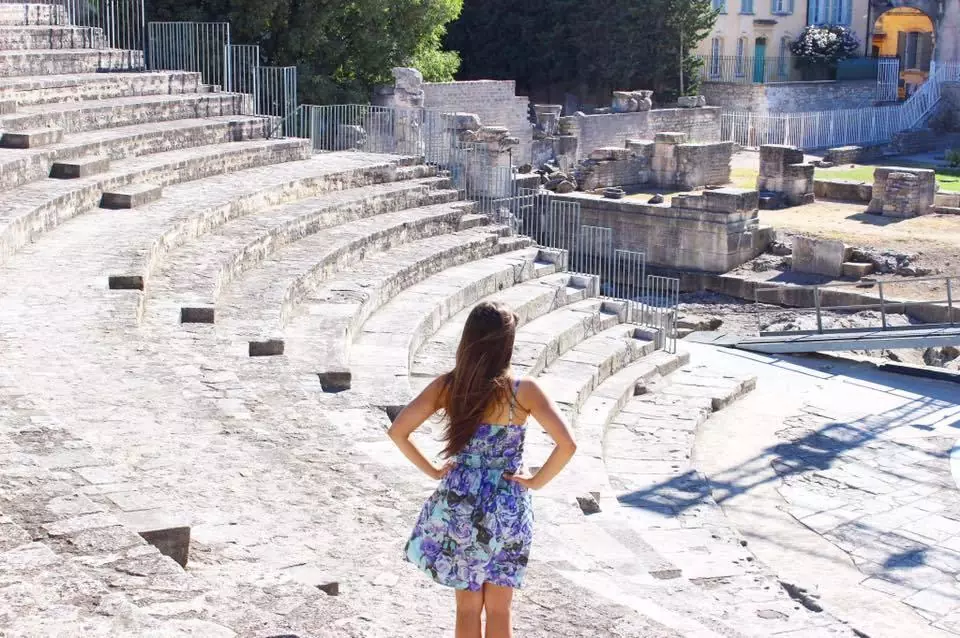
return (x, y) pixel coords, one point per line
(733, 25)
(891, 23)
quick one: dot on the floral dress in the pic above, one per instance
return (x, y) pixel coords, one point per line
(477, 527)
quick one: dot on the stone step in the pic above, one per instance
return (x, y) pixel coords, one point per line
(83, 167)
(572, 377)
(45, 89)
(946, 210)
(50, 37)
(320, 335)
(651, 439)
(31, 138)
(22, 166)
(32, 14)
(257, 306)
(531, 301)
(58, 62)
(75, 117)
(381, 356)
(189, 210)
(194, 275)
(132, 196)
(32, 209)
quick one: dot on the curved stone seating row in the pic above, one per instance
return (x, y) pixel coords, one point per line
(14, 37)
(284, 279)
(193, 276)
(58, 61)
(191, 209)
(381, 356)
(89, 115)
(44, 89)
(320, 334)
(530, 301)
(28, 13)
(32, 209)
(20, 166)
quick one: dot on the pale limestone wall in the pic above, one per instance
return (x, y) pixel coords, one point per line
(494, 101)
(713, 232)
(614, 129)
(791, 97)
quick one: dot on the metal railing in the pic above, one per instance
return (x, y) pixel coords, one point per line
(658, 309)
(200, 47)
(822, 301)
(748, 70)
(823, 129)
(275, 96)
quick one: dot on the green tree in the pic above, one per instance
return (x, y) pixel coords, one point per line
(341, 48)
(586, 47)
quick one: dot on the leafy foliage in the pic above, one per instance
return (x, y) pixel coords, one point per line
(828, 44)
(585, 47)
(341, 47)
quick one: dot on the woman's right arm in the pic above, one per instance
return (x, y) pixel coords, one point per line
(533, 399)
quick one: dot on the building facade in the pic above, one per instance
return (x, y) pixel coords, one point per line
(751, 38)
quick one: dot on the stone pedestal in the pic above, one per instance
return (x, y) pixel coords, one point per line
(819, 256)
(783, 171)
(903, 192)
(548, 118)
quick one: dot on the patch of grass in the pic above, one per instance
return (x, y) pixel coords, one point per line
(744, 177)
(948, 179)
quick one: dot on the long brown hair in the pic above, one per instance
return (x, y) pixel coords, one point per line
(480, 376)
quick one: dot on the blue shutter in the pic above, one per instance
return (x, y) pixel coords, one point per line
(847, 12)
(790, 7)
(812, 11)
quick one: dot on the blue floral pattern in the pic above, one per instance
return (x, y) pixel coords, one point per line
(477, 527)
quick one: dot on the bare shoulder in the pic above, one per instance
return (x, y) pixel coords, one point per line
(528, 390)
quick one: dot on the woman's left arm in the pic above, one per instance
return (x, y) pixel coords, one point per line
(411, 418)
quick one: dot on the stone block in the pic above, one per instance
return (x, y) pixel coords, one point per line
(130, 196)
(692, 101)
(774, 156)
(856, 270)
(125, 282)
(731, 200)
(670, 138)
(33, 138)
(168, 532)
(8, 106)
(903, 192)
(610, 153)
(333, 381)
(843, 190)
(266, 348)
(819, 256)
(197, 314)
(83, 167)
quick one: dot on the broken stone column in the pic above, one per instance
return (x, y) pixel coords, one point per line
(903, 192)
(784, 173)
(631, 101)
(692, 101)
(487, 161)
(548, 118)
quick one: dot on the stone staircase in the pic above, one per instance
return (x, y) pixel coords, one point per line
(204, 332)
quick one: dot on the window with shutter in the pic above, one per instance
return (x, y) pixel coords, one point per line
(924, 50)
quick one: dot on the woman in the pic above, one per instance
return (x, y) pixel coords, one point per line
(474, 532)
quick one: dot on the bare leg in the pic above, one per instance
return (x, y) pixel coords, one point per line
(496, 602)
(469, 608)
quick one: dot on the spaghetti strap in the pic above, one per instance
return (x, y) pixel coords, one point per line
(513, 400)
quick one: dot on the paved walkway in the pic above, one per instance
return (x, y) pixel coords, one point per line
(840, 476)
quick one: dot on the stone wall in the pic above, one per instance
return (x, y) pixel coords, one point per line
(614, 129)
(494, 101)
(947, 116)
(783, 171)
(902, 192)
(713, 232)
(666, 162)
(843, 190)
(791, 97)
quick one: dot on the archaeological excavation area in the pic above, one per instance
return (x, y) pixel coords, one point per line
(209, 316)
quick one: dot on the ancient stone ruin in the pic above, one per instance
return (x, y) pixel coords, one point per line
(784, 179)
(903, 192)
(631, 101)
(668, 161)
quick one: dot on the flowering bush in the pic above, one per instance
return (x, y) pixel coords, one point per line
(827, 43)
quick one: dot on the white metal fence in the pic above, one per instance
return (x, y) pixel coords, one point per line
(888, 79)
(823, 129)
